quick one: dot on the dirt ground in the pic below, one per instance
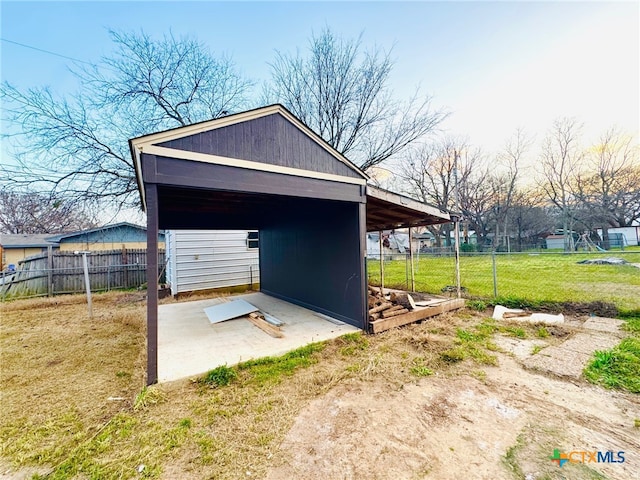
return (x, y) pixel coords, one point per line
(505, 425)
(465, 421)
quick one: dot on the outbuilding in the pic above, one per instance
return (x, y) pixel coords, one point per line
(264, 170)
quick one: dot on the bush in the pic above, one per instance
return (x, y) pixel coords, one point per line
(220, 376)
(467, 248)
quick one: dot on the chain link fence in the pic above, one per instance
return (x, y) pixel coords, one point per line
(612, 276)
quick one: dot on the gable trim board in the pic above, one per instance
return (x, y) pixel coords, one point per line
(247, 164)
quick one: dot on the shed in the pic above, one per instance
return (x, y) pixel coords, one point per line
(209, 259)
(265, 170)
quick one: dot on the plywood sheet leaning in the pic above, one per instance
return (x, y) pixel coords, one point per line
(229, 310)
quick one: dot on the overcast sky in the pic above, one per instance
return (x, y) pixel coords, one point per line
(495, 65)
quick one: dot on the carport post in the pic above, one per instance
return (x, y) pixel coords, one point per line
(152, 283)
(364, 290)
(413, 276)
(457, 252)
(381, 264)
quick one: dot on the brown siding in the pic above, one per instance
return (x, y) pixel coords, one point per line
(271, 139)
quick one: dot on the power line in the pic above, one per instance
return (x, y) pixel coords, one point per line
(49, 52)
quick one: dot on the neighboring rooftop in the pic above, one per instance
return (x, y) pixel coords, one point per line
(32, 240)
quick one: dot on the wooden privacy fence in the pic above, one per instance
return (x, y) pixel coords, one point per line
(53, 273)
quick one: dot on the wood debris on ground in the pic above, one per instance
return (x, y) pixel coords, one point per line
(259, 321)
(396, 308)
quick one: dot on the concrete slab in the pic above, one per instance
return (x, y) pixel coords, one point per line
(571, 357)
(559, 362)
(603, 324)
(590, 342)
(188, 345)
(520, 348)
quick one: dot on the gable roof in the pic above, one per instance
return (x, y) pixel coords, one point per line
(172, 143)
(63, 236)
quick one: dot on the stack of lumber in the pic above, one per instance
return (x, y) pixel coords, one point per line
(394, 304)
(399, 308)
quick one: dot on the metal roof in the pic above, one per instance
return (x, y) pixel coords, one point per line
(388, 210)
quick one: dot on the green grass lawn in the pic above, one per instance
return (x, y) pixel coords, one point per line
(534, 277)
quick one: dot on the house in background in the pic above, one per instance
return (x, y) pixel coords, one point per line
(110, 237)
(17, 247)
(211, 259)
(623, 236)
(392, 243)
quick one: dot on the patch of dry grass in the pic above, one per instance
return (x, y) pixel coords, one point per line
(61, 372)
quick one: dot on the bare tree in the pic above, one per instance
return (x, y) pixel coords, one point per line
(76, 146)
(530, 217)
(609, 191)
(430, 173)
(476, 201)
(342, 93)
(36, 213)
(504, 181)
(560, 160)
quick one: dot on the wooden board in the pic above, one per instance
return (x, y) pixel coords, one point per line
(265, 326)
(418, 314)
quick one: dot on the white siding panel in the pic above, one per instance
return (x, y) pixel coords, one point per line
(205, 259)
(170, 261)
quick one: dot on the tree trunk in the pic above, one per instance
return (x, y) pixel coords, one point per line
(606, 244)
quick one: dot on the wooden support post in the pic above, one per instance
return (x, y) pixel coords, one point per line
(152, 283)
(413, 277)
(381, 264)
(362, 231)
(456, 237)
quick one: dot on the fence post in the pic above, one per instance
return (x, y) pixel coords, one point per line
(50, 271)
(495, 274)
(87, 283)
(125, 272)
(406, 270)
